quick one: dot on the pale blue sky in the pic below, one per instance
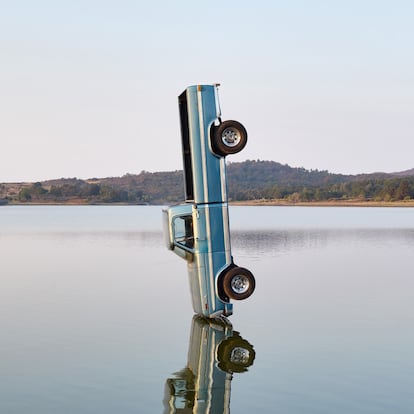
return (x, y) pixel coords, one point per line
(89, 88)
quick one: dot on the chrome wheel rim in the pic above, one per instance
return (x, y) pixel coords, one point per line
(240, 284)
(240, 356)
(231, 137)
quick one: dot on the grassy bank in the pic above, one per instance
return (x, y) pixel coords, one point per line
(328, 203)
(276, 202)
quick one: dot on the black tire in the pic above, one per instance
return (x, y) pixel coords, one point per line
(230, 137)
(235, 354)
(238, 283)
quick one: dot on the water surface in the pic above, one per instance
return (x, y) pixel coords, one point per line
(95, 313)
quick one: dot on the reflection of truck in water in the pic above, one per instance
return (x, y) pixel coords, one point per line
(215, 353)
(198, 230)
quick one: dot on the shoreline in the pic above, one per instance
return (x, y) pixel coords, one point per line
(328, 203)
(271, 203)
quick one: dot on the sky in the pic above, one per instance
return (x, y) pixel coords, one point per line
(89, 88)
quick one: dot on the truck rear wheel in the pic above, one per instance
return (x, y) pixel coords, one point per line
(230, 137)
(238, 283)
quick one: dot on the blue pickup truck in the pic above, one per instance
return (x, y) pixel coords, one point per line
(198, 229)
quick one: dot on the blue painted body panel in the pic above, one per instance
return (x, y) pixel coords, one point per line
(209, 175)
(207, 256)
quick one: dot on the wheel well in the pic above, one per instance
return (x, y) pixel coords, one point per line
(220, 290)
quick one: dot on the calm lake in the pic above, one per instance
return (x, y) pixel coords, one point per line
(96, 316)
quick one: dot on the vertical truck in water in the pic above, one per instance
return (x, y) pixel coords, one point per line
(198, 230)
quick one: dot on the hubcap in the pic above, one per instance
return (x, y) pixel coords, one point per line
(231, 137)
(240, 284)
(240, 355)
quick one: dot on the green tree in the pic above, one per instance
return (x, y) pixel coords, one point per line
(55, 191)
(24, 194)
(403, 190)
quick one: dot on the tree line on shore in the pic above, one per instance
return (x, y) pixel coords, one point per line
(247, 181)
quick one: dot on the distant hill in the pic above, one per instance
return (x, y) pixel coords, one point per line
(248, 180)
(406, 173)
(251, 180)
(255, 177)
